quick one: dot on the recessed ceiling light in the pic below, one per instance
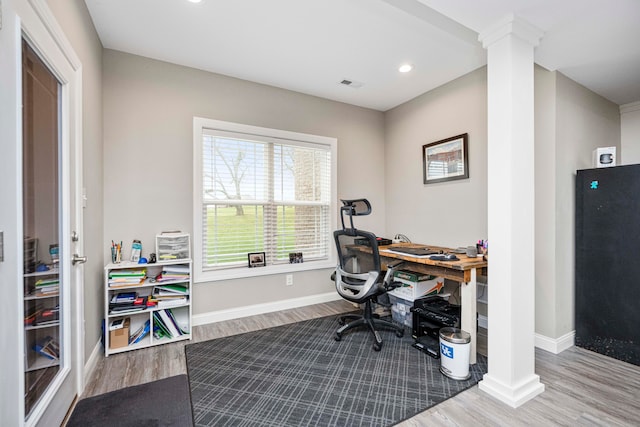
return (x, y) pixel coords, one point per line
(405, 68)
(195, 1)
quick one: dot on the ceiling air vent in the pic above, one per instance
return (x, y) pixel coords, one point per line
(351, 83)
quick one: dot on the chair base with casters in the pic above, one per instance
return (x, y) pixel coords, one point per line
(369, 320)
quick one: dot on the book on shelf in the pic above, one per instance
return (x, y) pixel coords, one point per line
(127, 302)
(182, 331)
(124, 309)
(122, 297)
(134, 272)
(47, 282)
(46, 287)
(167, 322)
(172, 302)
(159, 328)
(31, 316)
(127, 276)
(48, 347)
(176, 268)
(166, 276)
(47, 291)
(165, 295)
(171, 289)
(125, 283)
(48, 316)
(142, 332)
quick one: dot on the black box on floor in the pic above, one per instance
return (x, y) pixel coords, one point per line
(429, 345)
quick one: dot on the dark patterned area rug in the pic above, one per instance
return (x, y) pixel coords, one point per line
(298, 375)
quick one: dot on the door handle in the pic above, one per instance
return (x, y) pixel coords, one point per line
(78, 259)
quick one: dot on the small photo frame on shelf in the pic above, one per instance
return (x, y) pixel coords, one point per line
(256, 259)
(445, 160)
(295, 258)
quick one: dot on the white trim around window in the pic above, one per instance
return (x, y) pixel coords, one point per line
(210, 194)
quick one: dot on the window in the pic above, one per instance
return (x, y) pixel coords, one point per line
(261, 190)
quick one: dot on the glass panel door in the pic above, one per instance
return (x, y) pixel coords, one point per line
(42, 227)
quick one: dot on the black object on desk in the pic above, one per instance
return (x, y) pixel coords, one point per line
(424, 251)
(429, 315)
(380, 240)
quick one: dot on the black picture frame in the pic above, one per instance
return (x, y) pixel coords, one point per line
(256, 259)
(296, 258)
(446, 160)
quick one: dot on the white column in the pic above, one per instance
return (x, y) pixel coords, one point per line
(511, 311)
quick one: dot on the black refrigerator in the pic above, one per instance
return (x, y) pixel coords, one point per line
(607, 287)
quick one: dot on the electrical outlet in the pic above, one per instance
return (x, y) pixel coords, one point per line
(289, 280)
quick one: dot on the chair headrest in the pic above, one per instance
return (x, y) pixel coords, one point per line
(356, 207)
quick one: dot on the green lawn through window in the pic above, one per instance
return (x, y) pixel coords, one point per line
(232, 236)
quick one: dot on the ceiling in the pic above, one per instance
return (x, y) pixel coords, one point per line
(310, 46)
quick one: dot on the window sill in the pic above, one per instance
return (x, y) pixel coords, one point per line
(239, 273)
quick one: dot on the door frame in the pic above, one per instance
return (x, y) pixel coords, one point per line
(34, 21)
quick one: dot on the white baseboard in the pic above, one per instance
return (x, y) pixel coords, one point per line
(91, 364)
(252, 310)
(552, 345)
(556, 345)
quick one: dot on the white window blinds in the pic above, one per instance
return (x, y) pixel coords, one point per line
(266, 194)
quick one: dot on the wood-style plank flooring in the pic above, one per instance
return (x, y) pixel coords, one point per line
(582, 388)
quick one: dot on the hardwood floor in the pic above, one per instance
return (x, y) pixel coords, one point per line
(582, 388)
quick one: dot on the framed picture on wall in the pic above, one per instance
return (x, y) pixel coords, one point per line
(445, 160)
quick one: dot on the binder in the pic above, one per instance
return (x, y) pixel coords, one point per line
(168, 322)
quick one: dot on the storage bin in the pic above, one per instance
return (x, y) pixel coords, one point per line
(401, 310)
(173, 246)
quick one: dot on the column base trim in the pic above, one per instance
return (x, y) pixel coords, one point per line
(513, 396)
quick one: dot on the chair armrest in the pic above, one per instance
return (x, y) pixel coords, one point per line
(388, 282)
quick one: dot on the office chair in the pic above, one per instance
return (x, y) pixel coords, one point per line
(361, 280)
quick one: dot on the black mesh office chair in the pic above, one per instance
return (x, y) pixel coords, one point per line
(361, 280)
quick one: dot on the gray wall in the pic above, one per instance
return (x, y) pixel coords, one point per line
(451, 213)
(570, 121)
(545, 201)
(630, 134)
(148, 136)
(76, 23)
(584, 121)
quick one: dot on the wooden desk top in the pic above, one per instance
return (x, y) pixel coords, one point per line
(455, 270)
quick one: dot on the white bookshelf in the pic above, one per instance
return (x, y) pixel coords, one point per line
(181, 311)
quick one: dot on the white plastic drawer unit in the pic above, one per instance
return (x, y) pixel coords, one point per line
(172, 246)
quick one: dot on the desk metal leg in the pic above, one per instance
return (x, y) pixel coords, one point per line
(468, 307)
